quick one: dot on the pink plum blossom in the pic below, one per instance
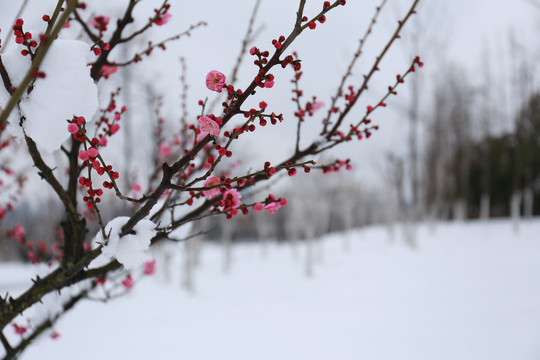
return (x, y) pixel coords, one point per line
(164, 151)
(114, 128)
(93, 152)
(231, 199)
(257, 207)
(208, 126)
(73, 128)
(136, 187)
(19, 330)
(272, 207)
(149, 267)
(317, 105)
(215, 81)
(163, 19)
(269, 84)
(128, 282)
(211, 181)
(83, 155)
(100, 22)
(18, 233)
(108, 70)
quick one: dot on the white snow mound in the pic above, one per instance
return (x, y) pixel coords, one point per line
(130, 250)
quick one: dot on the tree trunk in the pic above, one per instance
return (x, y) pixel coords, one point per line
(515, 204)
(485, 203)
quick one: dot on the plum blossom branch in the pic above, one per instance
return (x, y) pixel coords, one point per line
(320, 16)
(86, 28)
(354, 129)
(374, 68)
(241, 179)
(348, 73)
(121, 24)
(159, 15)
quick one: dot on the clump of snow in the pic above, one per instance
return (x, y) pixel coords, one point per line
(66, 90)
(130, 250)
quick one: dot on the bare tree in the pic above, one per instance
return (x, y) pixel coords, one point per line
(448, 152)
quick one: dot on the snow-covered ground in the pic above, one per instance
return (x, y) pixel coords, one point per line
(466, 291)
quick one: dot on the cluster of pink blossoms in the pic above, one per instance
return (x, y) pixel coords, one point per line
(272, 205)
(149, 268)
(89, 156)
(210, 124)
(162, 15)
(35, 251)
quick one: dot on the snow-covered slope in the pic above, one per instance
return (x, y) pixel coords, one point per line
(466, 291)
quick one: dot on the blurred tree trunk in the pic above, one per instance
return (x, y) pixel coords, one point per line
(487, 121)
(226, 238)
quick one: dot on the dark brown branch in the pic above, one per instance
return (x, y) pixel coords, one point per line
(46, 173)
(121, 24)
(5, 76)
(74, 227)
(5, 343)
(87, 30)
(147, 26)
(14, 352)
(56, 280)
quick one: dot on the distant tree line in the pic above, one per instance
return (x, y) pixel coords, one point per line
(509, 164)
(471, 172)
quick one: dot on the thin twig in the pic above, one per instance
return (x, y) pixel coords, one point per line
(243, 48)
(19, 13)
(355, 58)
(374, 68)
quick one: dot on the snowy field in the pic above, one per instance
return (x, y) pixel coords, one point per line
(468, 291)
